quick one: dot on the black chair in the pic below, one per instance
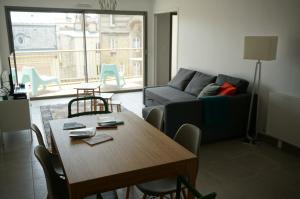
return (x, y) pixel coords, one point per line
(93, 104)
(181, 180)
(54, 159)
(56, 186)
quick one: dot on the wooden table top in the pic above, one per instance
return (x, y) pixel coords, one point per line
(136, 146)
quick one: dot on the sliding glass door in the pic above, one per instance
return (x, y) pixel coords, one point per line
(57, 51)
(115, 50)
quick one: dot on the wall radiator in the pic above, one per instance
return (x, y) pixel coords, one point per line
(283, 120)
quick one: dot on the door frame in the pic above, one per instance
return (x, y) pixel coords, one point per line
(176, 12)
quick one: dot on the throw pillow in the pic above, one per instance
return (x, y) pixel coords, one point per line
(240, 84)
(182, 78)
(209, 90)
(198, 82)
(227, 89)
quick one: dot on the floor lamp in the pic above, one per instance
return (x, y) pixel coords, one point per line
(258, 48)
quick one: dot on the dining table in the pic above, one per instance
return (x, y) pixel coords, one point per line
(138, 153)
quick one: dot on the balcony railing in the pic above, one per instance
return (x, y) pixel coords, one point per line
(68, 66)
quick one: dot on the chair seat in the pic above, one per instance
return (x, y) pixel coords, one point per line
(158, 187)
(57, 165)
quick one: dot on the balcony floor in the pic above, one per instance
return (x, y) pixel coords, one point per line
(69, 88)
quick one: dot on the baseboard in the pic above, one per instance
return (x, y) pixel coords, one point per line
(284, 145)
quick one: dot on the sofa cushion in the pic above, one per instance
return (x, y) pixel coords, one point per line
(240, 84)
(227, 89)
(209, 90)
(198, 82)
(182, 78)
(166, 94)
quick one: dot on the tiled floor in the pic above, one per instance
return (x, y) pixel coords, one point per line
(233, 169)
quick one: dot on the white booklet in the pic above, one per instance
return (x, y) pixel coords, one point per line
(83, 133)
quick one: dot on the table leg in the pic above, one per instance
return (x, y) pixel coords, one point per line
(191, 174)
(84, 103)
(111, 106)
(2, 140)
(94, 101)
(77, 101)
(30, 131)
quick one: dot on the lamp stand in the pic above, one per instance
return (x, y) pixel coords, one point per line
(255, 89)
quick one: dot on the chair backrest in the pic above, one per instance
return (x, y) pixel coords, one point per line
(56, 186)
(189, 136)
(155, 118)
(26, 75)
(38, 134)
(92, 111)
(29, 74)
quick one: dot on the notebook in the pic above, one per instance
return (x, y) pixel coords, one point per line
(109, 121)
(73, 125)
(97, 139)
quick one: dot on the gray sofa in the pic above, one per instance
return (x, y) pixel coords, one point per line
(219, 117)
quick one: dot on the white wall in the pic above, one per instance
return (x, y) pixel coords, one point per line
(132, 5)
(211, 36)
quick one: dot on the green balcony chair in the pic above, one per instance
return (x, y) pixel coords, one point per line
(29, 74)
(111, 70)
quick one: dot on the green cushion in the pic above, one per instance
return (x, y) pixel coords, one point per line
(209, 90)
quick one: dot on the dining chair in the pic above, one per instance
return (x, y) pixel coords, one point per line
(155, 118)
(56, 186)
(189, 136)
(54, 159)
(92, 109)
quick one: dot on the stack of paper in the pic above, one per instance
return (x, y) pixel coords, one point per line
(83, 133)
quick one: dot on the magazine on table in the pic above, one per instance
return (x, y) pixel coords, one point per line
(73, 125)
(97, 139)
(109, 121)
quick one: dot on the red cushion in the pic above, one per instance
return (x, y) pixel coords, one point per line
(227, 89)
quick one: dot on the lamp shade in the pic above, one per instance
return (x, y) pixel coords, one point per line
(260, 47)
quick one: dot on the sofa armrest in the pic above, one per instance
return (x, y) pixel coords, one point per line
(144, 89)
(225, 116)
(179, 113)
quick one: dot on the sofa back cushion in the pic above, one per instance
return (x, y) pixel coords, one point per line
(198, 82)
(227, 89)
(182, 78)
(240, 84)
(209, 90)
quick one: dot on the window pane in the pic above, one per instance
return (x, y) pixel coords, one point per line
(49, 51)
(115, 51)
